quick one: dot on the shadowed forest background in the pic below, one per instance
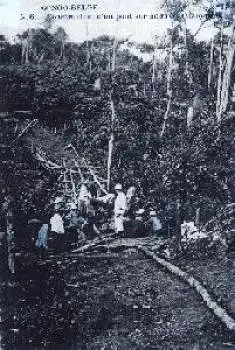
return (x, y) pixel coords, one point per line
(169, 120)
(158, 117)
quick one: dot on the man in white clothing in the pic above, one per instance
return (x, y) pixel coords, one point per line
(57, 231)
(119, 209)
(57, 224)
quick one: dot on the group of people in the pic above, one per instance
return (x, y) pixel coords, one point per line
(77, 222)
(138, 224)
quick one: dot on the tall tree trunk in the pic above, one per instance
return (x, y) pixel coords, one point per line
(109, 63)
(62, 49)
(111, 140)
(210, 64)
(227, 73)
(168, 89)
(197, 217)
(186, 50)
(153, 73)
(87, 52)
(178, 223)
(166, 116)
(169, 77)
(153, 68)
(190, 115)
(87, 43)
(218, 100)
(113, 65)
(23, 47)
(25, 51)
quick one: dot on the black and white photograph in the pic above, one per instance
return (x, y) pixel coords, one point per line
(117, 170)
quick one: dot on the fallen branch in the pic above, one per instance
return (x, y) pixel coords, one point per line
(218, 311)
(94, 243)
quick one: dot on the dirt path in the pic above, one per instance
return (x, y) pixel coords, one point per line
(119, 302)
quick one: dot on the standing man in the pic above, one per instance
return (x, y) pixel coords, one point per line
(119, 209)
(153, 224)
(57, 230)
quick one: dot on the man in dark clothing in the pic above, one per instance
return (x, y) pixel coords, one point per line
(154, 225)
(136, 226)
(75, 224)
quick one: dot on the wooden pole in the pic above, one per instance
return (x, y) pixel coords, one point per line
(218, 100)
(211, 63)
(111, 140)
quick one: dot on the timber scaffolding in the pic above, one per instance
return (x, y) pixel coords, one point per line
(73, 172)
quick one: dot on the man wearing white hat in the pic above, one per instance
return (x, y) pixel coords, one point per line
(58, 204)
(119, 209)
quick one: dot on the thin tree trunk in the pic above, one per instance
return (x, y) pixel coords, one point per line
(218, 101)
(111, 140)
(87, 52)
(22, 51)
(169, 77)
(211, 63)
(90, 68)
(87, 44)
(62, 49)
(197, 217)
(109, 64)
(186, 49)
(190, 115)
(168, 89)
(153, 68)
(166, 116)
(113, 65)
(153, 73)
(178, 224)
(227, 73)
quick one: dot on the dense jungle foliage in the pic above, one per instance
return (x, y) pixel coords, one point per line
(86, 92)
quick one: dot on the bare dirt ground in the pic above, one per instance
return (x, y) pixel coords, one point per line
(218, 275)
(105, 301)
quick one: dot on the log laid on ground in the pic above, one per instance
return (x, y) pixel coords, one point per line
(93, 244)
(93, 255)
(114, 244)
(218, 311)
